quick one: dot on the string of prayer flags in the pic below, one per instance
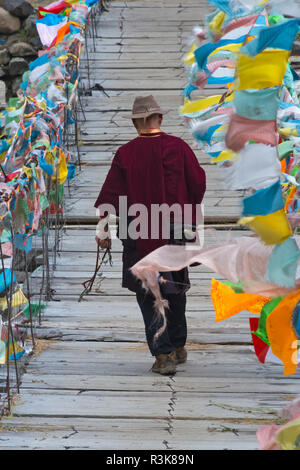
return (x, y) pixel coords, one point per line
(252, 132)
(48, 26)
(35, 163)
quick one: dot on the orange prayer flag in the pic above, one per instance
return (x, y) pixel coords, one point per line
(283, 166)
(282, 337)
(227, 303)
(65, 29)
(290, 197)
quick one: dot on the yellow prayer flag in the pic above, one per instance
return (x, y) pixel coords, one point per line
(50, 156)
(265, 70)
(273, 228)
(190, 107)
(27, 171)
(190, 58)
(216, 23)
(287, 436)
(228, 47)
(62, 170)
(225, 155)
(18, 298)
(288, 131)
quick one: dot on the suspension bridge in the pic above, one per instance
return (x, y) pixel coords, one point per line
(88, 384)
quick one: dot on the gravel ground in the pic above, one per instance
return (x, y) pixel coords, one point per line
(41, 3)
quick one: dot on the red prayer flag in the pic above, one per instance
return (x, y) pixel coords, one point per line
(260, 347)
(56, 9)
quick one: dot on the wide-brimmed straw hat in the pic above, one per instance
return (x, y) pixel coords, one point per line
(145, 106)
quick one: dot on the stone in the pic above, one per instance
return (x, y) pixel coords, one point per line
(22, 49)
(29, 26)
(16, 37)
(36, 43)
(9, 24)
(19, 8)
(15, 85)
(2, 95)
(17, 66)
(4, 57)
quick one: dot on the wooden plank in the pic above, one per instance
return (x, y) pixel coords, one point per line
(79, 211)
(82, 433)
(137, 368)
(97, 434)
(91, 386)
(148, 15)
(74, 238)
(68, 403)
(199, 336)
(157, 384)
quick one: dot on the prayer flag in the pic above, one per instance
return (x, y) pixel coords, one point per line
(265, 70)
(272, 228)
(264, 201)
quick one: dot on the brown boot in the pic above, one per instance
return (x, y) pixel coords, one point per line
(164, 365)
(179, 356)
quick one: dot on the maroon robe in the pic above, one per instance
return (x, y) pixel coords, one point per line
(153, 169)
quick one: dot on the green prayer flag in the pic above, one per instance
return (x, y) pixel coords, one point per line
(44, 203)
(236, 286)
(34, 307)
(284, 148)
(261, 332)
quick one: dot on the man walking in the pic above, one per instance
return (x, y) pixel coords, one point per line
(154, 169)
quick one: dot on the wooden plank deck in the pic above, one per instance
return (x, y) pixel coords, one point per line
(90, 386)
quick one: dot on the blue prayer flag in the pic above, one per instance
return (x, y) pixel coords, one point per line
(5, 279)
(283, 262)
(257, 104)
(264, 201)
(280, 36)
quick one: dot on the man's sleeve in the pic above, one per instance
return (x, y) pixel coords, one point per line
(195, 176)
(113, 186)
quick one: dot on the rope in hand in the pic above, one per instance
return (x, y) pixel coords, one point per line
(89, 283)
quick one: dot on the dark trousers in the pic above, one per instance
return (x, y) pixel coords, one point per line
(176, 331)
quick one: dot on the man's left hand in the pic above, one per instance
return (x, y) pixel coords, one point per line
(104, 244)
